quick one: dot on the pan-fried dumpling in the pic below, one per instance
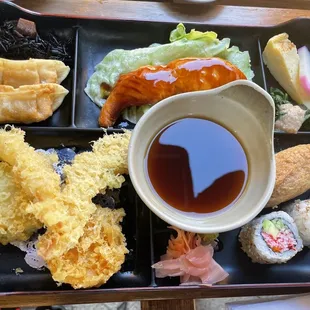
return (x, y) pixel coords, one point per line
(30, 103)
(17, 73)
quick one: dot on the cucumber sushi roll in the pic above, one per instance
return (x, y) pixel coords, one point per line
(271, 239)
(300, 212)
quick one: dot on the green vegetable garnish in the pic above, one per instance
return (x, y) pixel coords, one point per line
(208, 238)
(182, 44)
(270, 228)
(279, 98)
(278, 223)
(133, 114)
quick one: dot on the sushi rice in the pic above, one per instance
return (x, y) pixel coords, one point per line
(300, 212)
(277, 246)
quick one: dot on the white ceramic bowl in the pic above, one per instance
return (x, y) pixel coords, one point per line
(248, 111)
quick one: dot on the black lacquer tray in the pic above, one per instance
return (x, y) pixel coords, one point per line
(75, 124)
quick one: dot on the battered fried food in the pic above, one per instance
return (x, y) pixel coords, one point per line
(99, 253)
(32, 170)
(292, 174)
(15, 223)
(25, 178)
(91, 172)
(83, 244)
(114, 151)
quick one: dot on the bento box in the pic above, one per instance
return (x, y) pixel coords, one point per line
(75, 125)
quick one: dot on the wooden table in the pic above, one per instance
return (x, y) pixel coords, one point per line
(225, 12)
(168, 11)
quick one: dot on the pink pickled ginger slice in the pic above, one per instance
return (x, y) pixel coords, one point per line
(195, 267)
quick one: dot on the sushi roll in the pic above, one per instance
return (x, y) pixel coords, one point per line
(271, 239)
(300, 212)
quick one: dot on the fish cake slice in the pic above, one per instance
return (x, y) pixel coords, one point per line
(30, 103)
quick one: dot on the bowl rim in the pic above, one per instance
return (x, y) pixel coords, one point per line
(246, 217)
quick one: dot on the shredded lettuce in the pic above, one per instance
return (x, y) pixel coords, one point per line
(182, 44)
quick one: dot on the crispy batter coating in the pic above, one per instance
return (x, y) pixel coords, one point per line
(114, 151)
(15, 223)
(91, 172)
(32, 170)
(83, 244)
(292, 174)
(99, 253)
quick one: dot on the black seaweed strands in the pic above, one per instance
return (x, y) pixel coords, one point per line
(14, 45)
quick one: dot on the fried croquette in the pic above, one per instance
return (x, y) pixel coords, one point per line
(15, 223)
(292, 174)
(99, 253)
(90, 173)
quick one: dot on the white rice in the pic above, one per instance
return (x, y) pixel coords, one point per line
(300, 212)
(254, 245)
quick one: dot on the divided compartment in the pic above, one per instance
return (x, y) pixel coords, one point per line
(296, 30)
(146, 234)
(98, 38)
(135, 272)
(230, 255)
(94, 39)
(66, 31)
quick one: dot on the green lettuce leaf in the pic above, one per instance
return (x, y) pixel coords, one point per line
(180, 33)
(133, 114)
(239, 59)
(182, 44)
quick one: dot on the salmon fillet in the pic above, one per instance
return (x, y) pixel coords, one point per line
(151, 84)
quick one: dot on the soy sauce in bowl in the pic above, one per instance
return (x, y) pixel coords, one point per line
(196, 165)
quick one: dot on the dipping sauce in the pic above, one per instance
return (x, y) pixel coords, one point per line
(196, 165)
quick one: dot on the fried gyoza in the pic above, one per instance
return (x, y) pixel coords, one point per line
(99, 253)
(90, 173)
(17, 73)
(15, 223)
(30, 103)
